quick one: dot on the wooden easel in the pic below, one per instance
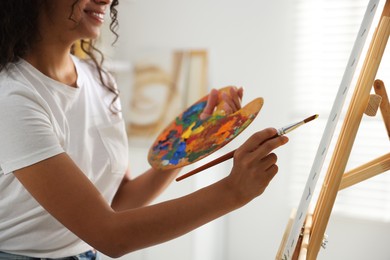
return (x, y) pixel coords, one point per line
(312, 233)
(362, 102)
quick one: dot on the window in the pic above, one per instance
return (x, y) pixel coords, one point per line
(326, 31)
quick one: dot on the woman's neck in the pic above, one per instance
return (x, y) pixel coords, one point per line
(54, 62)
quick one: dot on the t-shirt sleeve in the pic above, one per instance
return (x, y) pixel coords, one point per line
(27, 134)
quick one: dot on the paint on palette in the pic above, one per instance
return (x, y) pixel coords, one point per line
(188, 139)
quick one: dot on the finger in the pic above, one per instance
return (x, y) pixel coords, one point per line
(240, 93)
(235, 97)
(231, 101)
(269, 160)
(272, 171)
(212, 102)
(228, 105)
(257, 139)
(266, 177)
(269, 145)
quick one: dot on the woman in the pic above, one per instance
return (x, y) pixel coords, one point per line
(64, 187)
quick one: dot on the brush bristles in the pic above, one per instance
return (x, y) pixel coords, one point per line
(310, 118)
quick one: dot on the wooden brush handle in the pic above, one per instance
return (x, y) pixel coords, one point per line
(207, 165)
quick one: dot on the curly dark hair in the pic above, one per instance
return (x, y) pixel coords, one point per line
(19, 28)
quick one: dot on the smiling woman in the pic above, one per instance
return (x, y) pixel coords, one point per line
(65, 187)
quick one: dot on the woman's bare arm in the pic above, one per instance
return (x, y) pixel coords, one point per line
(140, 191)
(67, 194)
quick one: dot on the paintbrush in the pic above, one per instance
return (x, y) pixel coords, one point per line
(281, 131)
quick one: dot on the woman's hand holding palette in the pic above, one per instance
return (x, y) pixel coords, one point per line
(188, 138)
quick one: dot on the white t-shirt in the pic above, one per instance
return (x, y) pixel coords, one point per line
(40, 118)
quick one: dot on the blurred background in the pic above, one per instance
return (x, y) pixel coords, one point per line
(293, 54)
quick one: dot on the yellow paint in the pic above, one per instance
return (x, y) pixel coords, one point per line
(198, 130)
(188, 132)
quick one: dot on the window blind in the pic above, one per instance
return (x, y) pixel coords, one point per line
(324, 37)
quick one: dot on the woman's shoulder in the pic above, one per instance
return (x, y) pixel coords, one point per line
(12, 79)
(16, 90)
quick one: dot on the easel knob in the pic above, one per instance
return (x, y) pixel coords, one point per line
(373, 105)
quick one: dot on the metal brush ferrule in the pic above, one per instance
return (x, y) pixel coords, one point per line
(286, 129)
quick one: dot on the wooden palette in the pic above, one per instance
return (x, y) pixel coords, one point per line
(188, 139)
